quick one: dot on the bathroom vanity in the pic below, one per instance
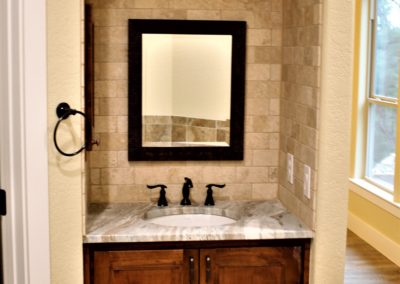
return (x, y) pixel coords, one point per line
(264, 244)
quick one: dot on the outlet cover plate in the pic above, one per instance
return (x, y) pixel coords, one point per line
(290, 168)
(307, 182)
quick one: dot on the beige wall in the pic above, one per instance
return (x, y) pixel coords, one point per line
(65, 173)
(302, 24)
(113, 178)
(328, 250)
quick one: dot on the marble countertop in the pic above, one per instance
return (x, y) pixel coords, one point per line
(256, 220)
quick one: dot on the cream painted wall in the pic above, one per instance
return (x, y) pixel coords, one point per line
(65, 173)
(328, 249)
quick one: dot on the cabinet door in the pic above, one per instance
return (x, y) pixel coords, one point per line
(145, 267)
(266, 265)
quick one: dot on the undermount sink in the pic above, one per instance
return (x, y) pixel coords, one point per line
(192, 220)
(190, 217)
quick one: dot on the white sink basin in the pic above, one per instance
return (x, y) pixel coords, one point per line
(191, 220)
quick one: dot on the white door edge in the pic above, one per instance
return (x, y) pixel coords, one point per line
(23, 141)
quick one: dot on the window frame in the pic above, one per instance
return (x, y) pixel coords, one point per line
(364, 99)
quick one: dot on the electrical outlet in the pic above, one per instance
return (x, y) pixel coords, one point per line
(290, 168)
(307, 182)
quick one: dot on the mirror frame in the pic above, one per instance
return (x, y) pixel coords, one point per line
(138, 27)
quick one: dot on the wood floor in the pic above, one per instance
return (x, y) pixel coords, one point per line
(365, 265)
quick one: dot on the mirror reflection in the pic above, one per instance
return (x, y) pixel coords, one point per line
(186, 89)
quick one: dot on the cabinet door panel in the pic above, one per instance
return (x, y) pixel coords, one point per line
(142, 266)
(251, 265)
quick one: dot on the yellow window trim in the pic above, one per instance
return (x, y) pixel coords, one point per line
(359, 120)
(375, 195)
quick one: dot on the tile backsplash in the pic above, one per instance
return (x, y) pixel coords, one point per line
(113, 178)
(301, 67)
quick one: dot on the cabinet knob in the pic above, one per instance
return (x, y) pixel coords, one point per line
(191, 270)
(208, 269)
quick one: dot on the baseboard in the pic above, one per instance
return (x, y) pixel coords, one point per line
(379, 241)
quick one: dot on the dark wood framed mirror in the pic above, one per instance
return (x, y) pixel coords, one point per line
(186, 90)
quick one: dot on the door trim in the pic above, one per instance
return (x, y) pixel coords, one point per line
(23, 144)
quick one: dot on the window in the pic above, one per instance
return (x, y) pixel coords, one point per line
(381, 95)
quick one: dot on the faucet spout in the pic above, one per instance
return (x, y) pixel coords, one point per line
(187, 185)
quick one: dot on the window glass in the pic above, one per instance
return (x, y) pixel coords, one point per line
(381, 145)
(387, 48)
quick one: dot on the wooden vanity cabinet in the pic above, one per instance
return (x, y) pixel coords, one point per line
(224, 262)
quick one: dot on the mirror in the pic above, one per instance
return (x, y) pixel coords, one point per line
(186, 90)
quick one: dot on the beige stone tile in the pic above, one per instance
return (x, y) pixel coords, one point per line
(113, 142)
(239, 191)
(163, 174)
(276, 5)
(273, 174)
(99, 193)
(122, 124)
(204, 14)
(265, 157)
(298, 55)
(111, 71)
(308, 156)
(264, 191)
(317, 14)
(312, 56)
(195, 4)
(238, 15)
(276, 72)
(113, 106)
(308, 136)
(273, 124)
(252, 174)
(257, 89)
(262, 19)
(130, 193)
(274, 106)
(250, 54)
(256, 124)
(257, 106)
(258, 72)
(288, 55)
(107, 3)
(169, 14)
(107, 35)
(274, 89)
(105, 124)
(257, 141)
(259, 37)
(104, 89)
(103, 159)
(147, 4)
(118, 17)
(111, 88)
(218, 175)
(268, 54)
(273, 141)
(116, 176)
(111, 53)
(94, 176)
(276, 19)
(276, 37)
(122, 160)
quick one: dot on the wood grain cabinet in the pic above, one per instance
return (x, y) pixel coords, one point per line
(197, 262)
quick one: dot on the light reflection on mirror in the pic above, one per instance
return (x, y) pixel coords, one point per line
(186, 90)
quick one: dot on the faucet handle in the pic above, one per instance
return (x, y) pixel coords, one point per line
(209, 199)
(162, 200)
